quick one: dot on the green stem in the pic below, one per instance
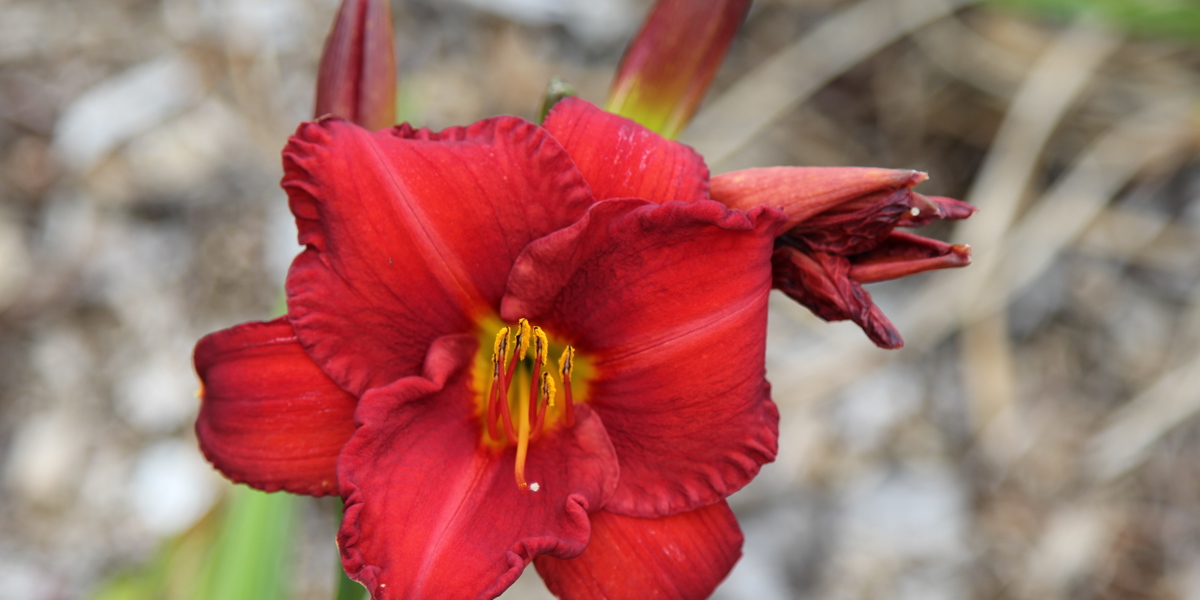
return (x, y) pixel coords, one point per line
(347, 589)
(251, 557)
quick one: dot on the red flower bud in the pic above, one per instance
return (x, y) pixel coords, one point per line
(669, 65)
(357, 79)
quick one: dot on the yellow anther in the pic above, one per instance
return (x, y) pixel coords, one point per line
(566, 362)
(510, 344)
(548, 390)
(501, 341)
(499, 352)
(523, 333)
(540, 344)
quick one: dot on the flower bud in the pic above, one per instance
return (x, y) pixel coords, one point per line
(556, 90)
(357, 78)
(668, 67)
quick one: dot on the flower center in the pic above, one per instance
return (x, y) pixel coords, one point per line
(521, 399)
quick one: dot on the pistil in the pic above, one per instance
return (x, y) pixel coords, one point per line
(522, 436)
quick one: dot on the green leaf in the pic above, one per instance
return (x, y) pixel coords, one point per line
(1159, 18)
(251, 557)
(348, 589)
(171, 574)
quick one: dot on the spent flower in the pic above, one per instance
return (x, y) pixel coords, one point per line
(842, 233)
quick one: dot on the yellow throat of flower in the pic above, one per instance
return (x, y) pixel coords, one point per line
(521, 400)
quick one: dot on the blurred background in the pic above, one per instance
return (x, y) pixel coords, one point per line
(1036, 439)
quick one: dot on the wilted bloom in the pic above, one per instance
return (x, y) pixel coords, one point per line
(841, 221)
(668, 67)
(357, 78)
(515, 343)
(841, 233)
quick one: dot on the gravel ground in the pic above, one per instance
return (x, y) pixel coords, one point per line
(1037, 438)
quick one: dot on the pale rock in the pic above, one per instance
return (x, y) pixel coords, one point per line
(44, 461)
(126, 105)
(172, 487)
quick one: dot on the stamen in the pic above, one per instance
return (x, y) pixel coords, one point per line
(545, 402)
(492, 405)
(537, 414)
(499, 350)
(540, 344)
(539, 358)
(510, 344)
(565, 363)
(523, 332)
(524, 416)
(548, 390)
(500, 399)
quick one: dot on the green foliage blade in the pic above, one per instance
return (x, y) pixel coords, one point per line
(1155, 18)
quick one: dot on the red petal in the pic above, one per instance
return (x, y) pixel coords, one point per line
(269, 417)
(902, 254)
(855, 227)
(669, 65)
(411, 234)
(950, 209)
(822, 282)
(621, 159)
(805, 192)
(432, 514)
(357, 78)
(670, 302)
(680, 557)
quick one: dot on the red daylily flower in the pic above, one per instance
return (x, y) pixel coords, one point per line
(414, 373)
(841, 233)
